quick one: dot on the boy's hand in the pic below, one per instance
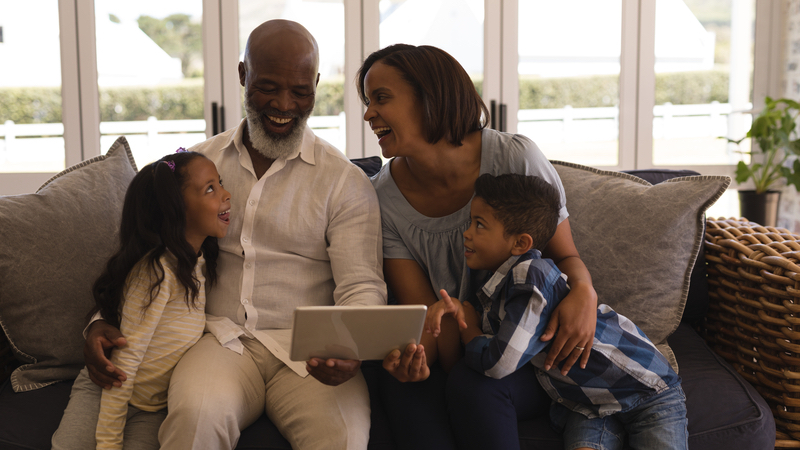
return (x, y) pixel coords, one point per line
(470, 316)
(472, 324)
(447, 305)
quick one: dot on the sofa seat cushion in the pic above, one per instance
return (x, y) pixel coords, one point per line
(30, 418)
(725, 411)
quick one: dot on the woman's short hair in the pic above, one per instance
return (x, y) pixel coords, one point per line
(451, 107)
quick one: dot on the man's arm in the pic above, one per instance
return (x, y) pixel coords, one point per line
(355, 252)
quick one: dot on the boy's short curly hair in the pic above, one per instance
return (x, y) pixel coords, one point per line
(523, 204)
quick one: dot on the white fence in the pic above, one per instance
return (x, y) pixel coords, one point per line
(39, 147)
(670, 121)
(25, 144)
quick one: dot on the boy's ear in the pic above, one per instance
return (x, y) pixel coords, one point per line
(522, 243)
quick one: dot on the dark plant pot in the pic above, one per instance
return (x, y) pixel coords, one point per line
(760, 208)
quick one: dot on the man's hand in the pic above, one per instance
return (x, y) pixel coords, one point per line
(447, 305)
(333, 372)
(409, 366)
(101, 338)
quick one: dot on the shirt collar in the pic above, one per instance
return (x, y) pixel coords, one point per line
(497, 281)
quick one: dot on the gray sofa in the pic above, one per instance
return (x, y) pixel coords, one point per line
(640, 242)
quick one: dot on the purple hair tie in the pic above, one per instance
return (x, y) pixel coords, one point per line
(180, 150)
(171, 165)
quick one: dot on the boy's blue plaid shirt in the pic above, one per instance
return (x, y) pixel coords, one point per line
(624, 367)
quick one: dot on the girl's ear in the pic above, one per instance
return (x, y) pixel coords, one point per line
(522, 243)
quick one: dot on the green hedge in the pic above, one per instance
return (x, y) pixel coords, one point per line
(680, 88)
(185, 101)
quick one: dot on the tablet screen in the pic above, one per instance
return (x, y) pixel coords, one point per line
(354, 332)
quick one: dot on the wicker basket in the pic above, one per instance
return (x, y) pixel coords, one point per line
(754, 290)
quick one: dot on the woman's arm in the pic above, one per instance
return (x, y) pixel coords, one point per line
(411, 286)
(575, 317)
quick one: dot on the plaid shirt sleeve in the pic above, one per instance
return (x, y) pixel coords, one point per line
(523, 311)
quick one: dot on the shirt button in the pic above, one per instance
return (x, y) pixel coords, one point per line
(244, 239)
(244, 301)
(248, 265)
(252, 202)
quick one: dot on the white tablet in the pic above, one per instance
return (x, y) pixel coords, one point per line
(354, 332)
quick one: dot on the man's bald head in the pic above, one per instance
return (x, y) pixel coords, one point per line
(280, 38)
(279, 73)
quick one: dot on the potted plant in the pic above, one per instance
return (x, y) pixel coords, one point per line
(775, 135)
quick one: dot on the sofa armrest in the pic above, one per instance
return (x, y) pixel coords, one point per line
(754, 310)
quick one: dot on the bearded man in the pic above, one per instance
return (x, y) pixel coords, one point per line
(304, 231)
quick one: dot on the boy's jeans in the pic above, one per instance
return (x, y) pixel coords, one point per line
(658, 423)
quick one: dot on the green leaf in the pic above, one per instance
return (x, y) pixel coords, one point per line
(743, 171)
(793, 175)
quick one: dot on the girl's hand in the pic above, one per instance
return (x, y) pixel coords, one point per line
(447, 305)
(575, 319)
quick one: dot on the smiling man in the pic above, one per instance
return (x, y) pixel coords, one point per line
(304, 231)
(279, 87)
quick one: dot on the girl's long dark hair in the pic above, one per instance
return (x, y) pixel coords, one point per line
(154, 221)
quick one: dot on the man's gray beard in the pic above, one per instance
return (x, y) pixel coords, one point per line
(270, 145)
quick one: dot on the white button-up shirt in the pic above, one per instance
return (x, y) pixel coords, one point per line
(308, 233)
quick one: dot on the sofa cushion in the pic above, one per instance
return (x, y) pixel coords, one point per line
(724, 411)
(55, 244)
(632, 233)
(697, 300)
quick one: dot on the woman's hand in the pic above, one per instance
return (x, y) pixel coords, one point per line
(572, 323)
(101, 338)
(409, 366)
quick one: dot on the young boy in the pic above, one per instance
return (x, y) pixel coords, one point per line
(627, 387)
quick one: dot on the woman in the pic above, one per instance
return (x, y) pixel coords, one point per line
(430, 121)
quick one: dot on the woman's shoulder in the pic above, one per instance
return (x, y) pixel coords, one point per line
(383, 182)
(508, 152)
(501, 139)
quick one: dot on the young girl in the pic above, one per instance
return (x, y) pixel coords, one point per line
(153, 288)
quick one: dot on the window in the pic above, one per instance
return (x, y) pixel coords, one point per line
(591, 81)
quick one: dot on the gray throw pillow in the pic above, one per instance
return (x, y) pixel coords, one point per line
(55, 244)
(639, 241)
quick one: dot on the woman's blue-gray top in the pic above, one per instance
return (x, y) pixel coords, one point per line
(437, 243)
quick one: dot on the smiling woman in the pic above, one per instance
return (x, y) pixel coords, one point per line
(430, 120)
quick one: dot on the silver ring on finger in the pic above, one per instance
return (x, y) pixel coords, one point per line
(580, 348)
